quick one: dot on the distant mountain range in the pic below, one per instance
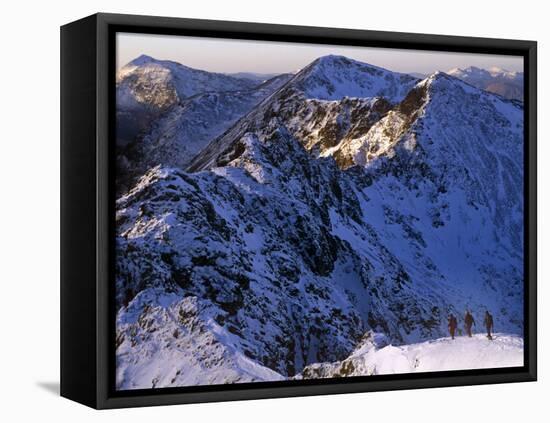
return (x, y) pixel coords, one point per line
(257, 77)
(496, 80)
(269, 230)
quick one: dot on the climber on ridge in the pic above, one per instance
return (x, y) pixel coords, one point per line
(469, 322)
(452, 325)
(488, 321)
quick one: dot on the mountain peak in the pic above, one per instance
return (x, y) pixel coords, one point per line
(334, 77)
(141, 60)
(337, 60)
(170, 65)
(445, 84)
(444, 80)
(333, 58)
(438, 76)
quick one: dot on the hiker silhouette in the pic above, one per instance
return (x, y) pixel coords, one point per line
(452, 325)
(468, 323)
(488, 322)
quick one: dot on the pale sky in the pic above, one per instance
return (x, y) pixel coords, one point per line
(226, 55)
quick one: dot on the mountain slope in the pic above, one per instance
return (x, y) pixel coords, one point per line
(254, 247)
(157, 318)
(445, 170)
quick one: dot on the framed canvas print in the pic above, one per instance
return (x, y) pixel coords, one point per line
(255, 211)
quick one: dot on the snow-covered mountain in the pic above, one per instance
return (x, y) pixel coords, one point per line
(450, 151)
(182, 131)
(167, 112)
(351, 200)
(335, 77)
(160, 83)
(496, 80)
(146, 87)
(332, 99)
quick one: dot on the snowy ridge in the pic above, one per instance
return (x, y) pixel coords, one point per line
(439, 93)
(172, 328)
(443, 354)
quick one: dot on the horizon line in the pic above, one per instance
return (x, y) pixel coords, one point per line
(274, 73)
(232, 55)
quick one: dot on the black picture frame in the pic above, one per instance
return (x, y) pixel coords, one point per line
(87, 209)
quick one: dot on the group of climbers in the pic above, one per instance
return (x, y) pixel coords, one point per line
(469, 322)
